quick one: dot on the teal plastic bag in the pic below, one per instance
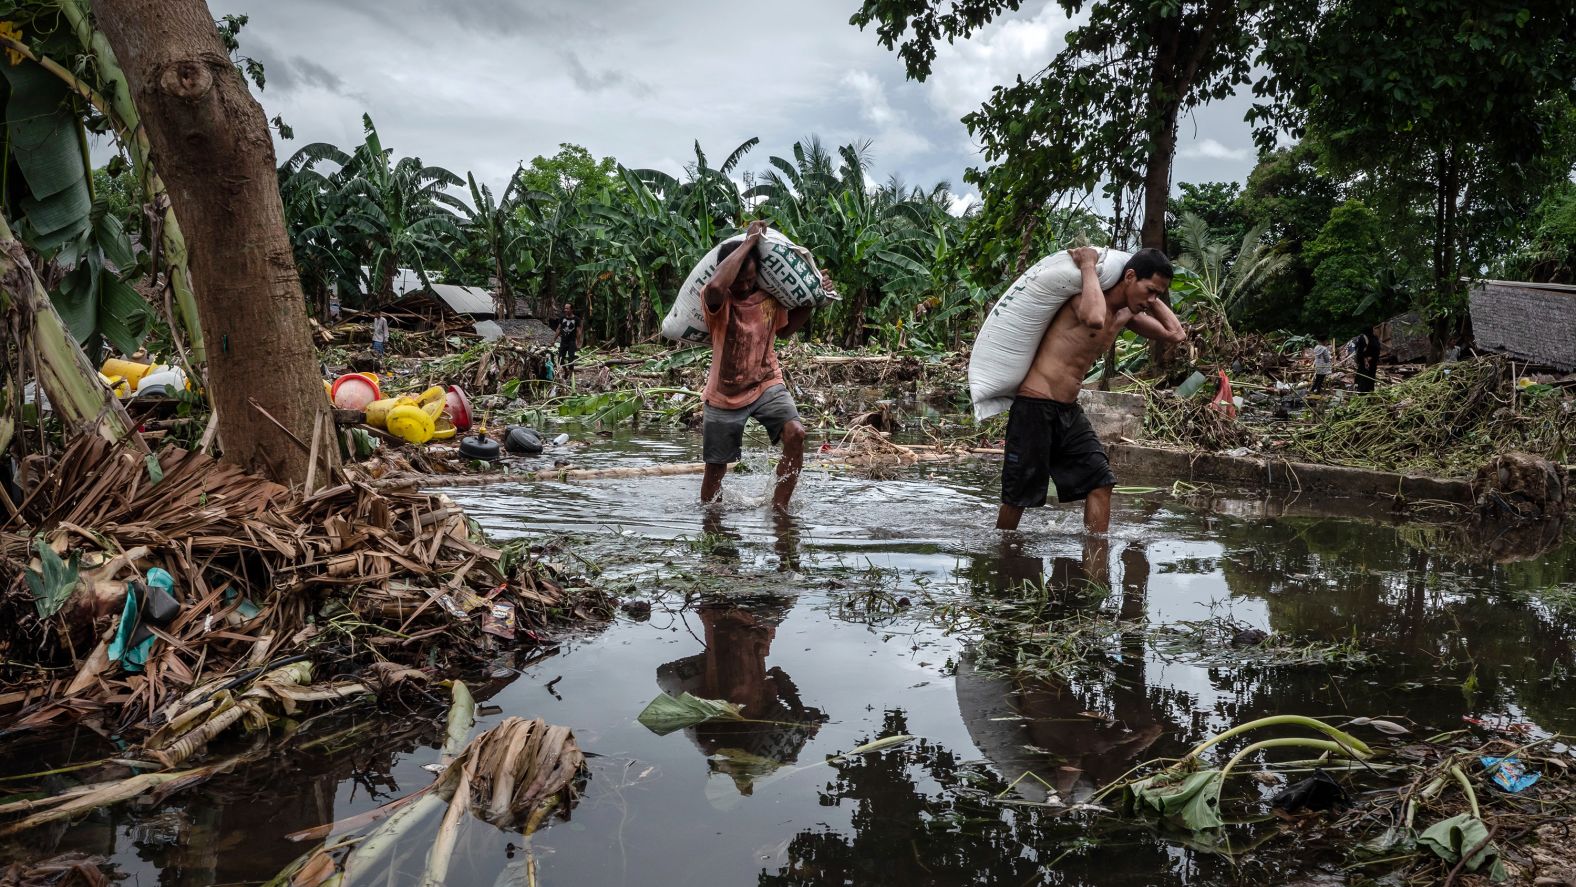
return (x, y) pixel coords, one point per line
(133, 655)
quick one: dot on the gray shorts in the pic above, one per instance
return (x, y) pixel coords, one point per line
(723, 432)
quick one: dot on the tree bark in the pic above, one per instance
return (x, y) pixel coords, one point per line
(211, 145)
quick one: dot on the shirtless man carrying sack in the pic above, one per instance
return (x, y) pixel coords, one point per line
(1048, 436)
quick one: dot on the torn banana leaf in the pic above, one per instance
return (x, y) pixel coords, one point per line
(668, 713)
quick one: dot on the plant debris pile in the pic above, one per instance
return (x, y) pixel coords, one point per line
(1450, 418)
(247, 574)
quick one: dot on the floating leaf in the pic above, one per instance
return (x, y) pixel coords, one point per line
(1383, 726)
(1194, 799)
(668, 713)
(884, 742)
(1460, 834)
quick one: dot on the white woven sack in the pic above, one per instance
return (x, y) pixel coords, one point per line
(787, 272)
(1012, 331)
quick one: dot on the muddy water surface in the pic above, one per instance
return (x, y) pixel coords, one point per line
(835, 625)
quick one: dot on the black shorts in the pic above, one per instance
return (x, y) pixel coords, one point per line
(1050, 441)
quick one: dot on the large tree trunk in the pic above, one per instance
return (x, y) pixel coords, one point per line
(211, 145)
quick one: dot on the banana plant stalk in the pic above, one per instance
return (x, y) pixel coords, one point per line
(128, 124)
(65, 375)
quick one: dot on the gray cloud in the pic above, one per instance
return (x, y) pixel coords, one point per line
(482, 84)
(607, 78)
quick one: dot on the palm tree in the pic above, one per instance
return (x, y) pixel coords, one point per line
(1223, 276)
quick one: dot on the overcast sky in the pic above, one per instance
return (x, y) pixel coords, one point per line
(483, 84)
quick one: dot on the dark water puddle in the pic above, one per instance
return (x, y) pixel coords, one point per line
(800, 620)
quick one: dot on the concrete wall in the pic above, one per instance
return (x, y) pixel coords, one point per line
(1113, 414)
(1527, 322)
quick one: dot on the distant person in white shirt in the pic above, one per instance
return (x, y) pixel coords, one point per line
(380, 333)
(1323, 363)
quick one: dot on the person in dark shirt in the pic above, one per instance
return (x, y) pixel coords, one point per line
(568, 328)
(1365, 352)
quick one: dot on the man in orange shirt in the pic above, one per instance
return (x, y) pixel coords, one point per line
(745, 380)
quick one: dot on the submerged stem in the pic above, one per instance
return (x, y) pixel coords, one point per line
(1354, 746)
(1466, 786)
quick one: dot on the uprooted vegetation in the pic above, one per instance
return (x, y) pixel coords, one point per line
(274, 598)
(1449, 419)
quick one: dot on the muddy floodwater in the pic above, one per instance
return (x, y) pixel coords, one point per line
(840, 625)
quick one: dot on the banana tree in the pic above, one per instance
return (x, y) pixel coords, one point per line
(53, 200)
(493, 229)
(37, 338)
(399, 211)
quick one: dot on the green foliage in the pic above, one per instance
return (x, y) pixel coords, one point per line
(1218, 204)
(54, 581)
(1225, 273)
(1346, 258)
(1549, 255)
(1456, 115)
(371, 211)
(60, 216)
(1103, 112)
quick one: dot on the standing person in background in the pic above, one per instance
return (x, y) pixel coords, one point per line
(1365, 352)
(568, 327)
(1323, 363)
(380, 333)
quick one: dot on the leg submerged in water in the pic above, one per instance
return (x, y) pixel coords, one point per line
(790, 465)
(711, 483)
(1097, 510)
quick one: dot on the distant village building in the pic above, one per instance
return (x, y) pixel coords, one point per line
(1535, 322)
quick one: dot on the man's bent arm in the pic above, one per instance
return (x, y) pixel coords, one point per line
(1090, 305)
(796, 321)
(716, 289)
(1159, 323)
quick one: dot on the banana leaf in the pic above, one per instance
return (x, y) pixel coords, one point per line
(1194, 800)
(1451, 838)
(44, 134)
(668, 713)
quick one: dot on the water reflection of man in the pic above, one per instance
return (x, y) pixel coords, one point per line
(739, 634)
(1007, 718)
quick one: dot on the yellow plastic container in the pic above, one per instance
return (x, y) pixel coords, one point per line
(129, 370)
(410, 423)
(434, 394)
(378, 410)
(117, 385)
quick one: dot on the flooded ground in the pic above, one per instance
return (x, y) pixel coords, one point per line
(845, 623)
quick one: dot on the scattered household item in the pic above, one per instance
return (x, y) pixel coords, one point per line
(560, 440)
(477, 447)
(410, 423)
(1317, 792)
(354, 391)
(1012, 331)
(523, 441)
(1509, 773)
(162, 380)
(459, 408)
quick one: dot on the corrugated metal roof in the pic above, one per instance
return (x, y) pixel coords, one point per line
(471, 300)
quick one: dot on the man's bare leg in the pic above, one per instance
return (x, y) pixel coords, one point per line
(1097, 510)
(711, 483)
(789, 466)
(1009, 515)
